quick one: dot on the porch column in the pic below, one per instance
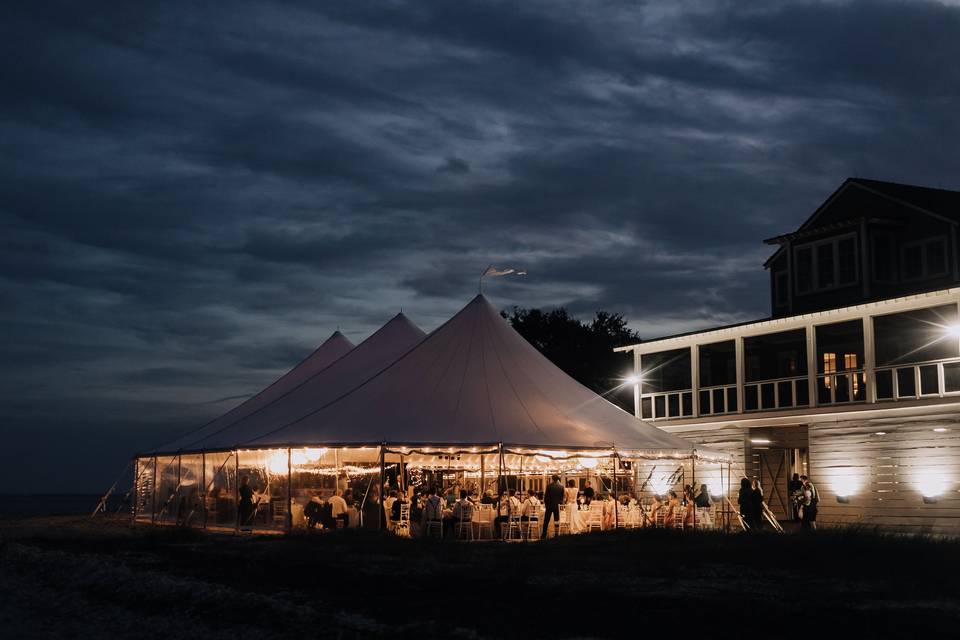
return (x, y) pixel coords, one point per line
(869, 361)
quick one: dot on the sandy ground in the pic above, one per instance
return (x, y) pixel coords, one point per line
(72, 578)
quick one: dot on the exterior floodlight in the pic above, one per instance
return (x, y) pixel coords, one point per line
(953, 330)
(940, 430)
(844, 487)
(633, 378)
(843, 499)
(759, 441)
(880, 433)
(931, 486)
(929, 499)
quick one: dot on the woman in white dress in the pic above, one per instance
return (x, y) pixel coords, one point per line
(570, 499)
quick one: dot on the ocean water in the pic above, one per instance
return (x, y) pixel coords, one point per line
(14, 506)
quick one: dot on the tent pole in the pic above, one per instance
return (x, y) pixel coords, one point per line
(616, 494)
(483, 475)
(136, 488)
(289, 491)
(380, 522)
(499, 476)
(693, 487)
(179, 480)
(153, 494)
(727, 505)
(202, 486)
(236, 490)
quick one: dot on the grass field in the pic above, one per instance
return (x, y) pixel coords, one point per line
(73, 578)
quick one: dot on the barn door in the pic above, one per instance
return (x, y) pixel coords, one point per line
(774, 474)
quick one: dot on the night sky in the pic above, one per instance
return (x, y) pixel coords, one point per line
(193, 197)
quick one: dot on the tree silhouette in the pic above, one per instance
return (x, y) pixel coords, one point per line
(583, 350)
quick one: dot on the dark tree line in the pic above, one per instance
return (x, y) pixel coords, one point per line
(584, 350)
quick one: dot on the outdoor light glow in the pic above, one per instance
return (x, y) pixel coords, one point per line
(632, 379)
(880, 433)
(953, 330)
(759, 441)
(940, 430)
(588, 463)
(277, 462)
(845, 486)
(931, 484)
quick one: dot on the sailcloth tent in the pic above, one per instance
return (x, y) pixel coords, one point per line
(476, 381)
(470, 405)
(303, 389)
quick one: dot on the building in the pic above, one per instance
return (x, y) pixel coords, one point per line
(854, 379)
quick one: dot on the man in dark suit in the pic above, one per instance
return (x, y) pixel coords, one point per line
(552, 499)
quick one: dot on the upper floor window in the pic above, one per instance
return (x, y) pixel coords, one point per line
(884, 256)
(665, 371)
(775, 355)
(826, 264)
(924, 259)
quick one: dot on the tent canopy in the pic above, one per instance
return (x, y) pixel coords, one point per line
(356, 366)
(473, 381)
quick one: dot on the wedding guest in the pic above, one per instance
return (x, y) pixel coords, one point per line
(757, 503)
(246, 507)
(552, 499)
(530, 506)
(670, 508)
(702, 499)
(811, 498)
(656, 504)
(338, 509)
(588, 492)
(312, 512)
(745, 503)
(795, 491)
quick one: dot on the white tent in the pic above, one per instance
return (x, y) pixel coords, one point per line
(474, 381)
(335, 367)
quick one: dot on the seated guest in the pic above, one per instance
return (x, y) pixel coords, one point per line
(656, 504)
(488, 498)
(450, 497)
(530, 506)
(670, 507)
(432, 508)
(462, 512)
(609, 511)
(509, 505)
(338, 509)
(703, 497)
(312, 512)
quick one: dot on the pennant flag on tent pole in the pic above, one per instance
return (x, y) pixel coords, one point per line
(493, 272)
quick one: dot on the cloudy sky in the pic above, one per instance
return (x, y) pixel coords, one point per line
(193, 197)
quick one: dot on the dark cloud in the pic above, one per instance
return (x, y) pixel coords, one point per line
(195, 196)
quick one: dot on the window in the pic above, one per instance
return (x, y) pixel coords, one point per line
(883, 257)
(718, 364)
(665, 371)
(780, 288)
(775, 355)
(915, 336)
(827, 264)
(839, 346)
(924, 259)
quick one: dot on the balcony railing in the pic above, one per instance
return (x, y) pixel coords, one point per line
(923, 380)
(669, 404)
(782, 393)
(719, 399)
(841, 387)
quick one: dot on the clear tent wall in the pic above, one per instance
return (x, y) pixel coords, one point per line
(204, 489)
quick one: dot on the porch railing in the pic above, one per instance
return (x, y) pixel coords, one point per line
(781, 393)
(921, 380)
(718, 399)
(667, 404)
(841, 387)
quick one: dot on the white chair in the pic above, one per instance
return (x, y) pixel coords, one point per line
(483, 518)
(564, 521)
(595, 518)
(465, 524)
(678, 513)
(704, 518)
(432, 527)
(532, 525)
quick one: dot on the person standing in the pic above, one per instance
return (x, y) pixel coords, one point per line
(552, 499)
(745, 502)
(246, 507)
(757, 503)
(588, 493)
(795, 491)
(338, 509)
(811, 498)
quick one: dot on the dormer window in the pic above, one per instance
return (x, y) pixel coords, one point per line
(924, 259)
(826, 264)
